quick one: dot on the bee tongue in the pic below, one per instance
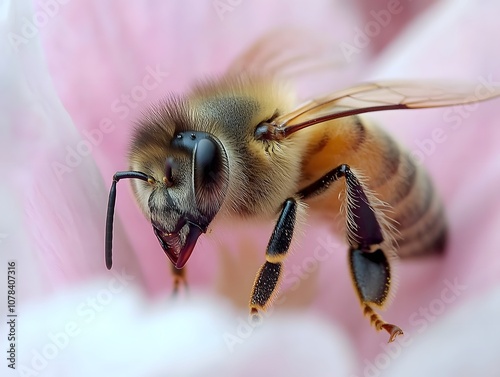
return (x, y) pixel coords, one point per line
(178, 254)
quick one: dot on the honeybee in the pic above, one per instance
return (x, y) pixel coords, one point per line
(237, 147)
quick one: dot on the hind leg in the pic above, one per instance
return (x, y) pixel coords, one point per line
(370, 268)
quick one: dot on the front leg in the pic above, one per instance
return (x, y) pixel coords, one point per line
(269, 275)
(179, 278)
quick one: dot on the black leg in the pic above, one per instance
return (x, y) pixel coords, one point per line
(370, 269)
(269, 275)
(363, 228)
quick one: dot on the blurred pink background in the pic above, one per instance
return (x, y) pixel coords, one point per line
(72, 74)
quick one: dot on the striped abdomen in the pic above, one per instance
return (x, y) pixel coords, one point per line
(387, 170)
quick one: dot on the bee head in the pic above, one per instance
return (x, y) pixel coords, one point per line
(190, 194)
(183, 178)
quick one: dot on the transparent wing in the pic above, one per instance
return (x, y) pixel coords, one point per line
(380, 96)
(288, 54)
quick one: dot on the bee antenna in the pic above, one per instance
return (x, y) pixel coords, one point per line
(108, 246)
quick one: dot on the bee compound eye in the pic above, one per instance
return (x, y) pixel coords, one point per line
(206, 162)
(208, 156)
